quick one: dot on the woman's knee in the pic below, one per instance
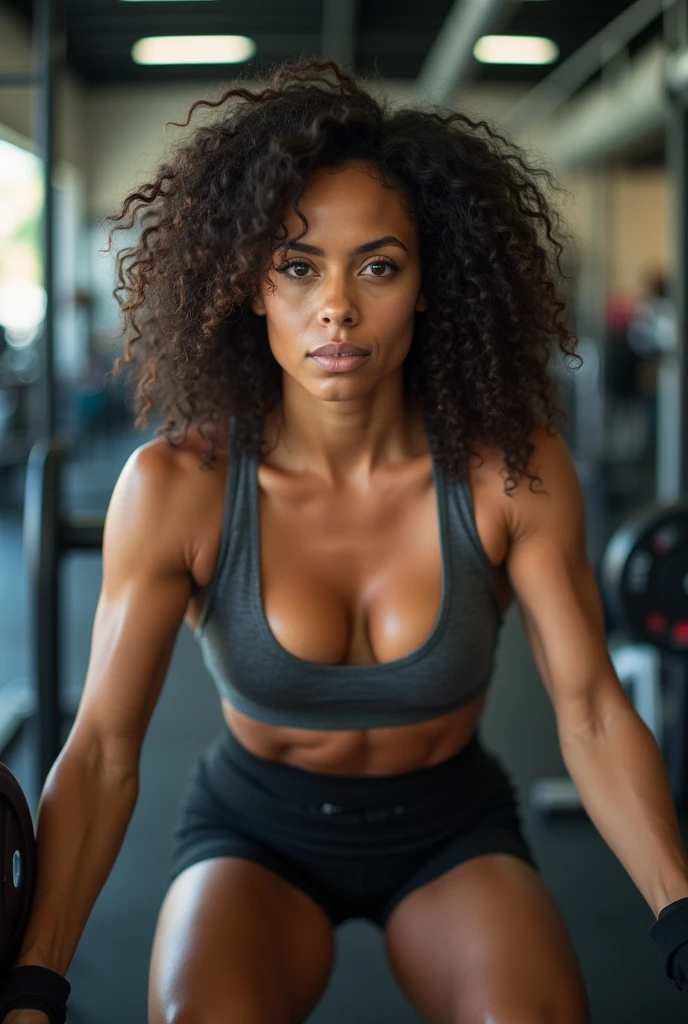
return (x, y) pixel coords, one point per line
(246, 1008)
(513, 1013)
(238, 1000)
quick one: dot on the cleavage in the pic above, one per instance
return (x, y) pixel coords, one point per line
(348, 578)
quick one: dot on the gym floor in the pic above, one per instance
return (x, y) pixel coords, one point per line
(607, 917)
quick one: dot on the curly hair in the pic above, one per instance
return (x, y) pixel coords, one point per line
(490, 256)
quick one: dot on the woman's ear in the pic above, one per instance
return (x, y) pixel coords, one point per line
(421, 304)
(258, 306)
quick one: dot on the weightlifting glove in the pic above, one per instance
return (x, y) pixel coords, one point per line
(670, 932)
(36, 988)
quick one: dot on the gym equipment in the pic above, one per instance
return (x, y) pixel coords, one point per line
(645, 576)
(644, 580)
(49, 535)
(18, 859)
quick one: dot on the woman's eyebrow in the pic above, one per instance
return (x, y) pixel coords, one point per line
(366, 247)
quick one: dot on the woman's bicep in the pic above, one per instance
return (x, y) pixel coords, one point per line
(145, 591)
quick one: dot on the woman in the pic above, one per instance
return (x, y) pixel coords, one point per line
(345, 315)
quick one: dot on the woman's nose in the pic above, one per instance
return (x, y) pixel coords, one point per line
(339, 317)
(337, 307)
(338, 310)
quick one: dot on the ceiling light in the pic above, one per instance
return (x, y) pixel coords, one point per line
(515, 50)
(193, 50)
(166, 1)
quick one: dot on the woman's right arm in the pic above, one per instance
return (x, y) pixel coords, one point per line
(91, 791)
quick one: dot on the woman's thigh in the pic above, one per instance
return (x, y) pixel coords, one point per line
(236, 942)
(485, 944)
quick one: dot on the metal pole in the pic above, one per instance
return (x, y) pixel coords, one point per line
(42, 552)
(340, 30)
(43, 37)
(450, 57)
(672, 377)
(675, 733)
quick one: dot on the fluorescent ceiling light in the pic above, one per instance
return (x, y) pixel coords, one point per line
(515, 50)
(166, 1)
(193, 50)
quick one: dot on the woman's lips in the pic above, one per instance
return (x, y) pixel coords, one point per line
(339, 348)
(338, 364)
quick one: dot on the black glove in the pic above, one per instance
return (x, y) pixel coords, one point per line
(670, 932)
(36, 988)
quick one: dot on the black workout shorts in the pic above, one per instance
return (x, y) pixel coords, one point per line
(355, 844)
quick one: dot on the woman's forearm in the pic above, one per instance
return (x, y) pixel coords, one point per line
(619, 773)
(83, 816)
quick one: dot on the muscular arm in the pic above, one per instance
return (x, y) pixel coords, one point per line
(610, 753)
(92, 788)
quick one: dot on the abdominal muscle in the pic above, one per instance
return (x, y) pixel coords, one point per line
(388, 751)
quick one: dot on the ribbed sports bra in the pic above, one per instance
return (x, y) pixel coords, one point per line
(263, 680)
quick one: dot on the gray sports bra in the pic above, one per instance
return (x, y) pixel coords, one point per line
(262, 679)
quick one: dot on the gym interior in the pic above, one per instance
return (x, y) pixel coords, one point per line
(598, 91)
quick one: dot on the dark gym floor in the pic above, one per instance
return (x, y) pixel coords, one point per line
(606, 915)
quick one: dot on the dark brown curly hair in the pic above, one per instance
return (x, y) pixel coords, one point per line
(490, 257)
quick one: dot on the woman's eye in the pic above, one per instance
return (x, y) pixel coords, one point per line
(382, 263)
(288, 266)
(299, 267)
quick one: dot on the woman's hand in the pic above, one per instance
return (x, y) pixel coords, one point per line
(670, 932)
(26, 1017)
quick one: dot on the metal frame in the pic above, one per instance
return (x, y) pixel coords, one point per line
(598, 53)
(672, 383)
(48, 537)
(446, 66)
(340, 30)
(41, 552)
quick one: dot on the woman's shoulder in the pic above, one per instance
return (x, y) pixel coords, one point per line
(500, 514)
(168, 462)
(488, 459)
(173, 482)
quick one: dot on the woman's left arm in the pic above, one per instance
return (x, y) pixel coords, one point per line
(611, 755)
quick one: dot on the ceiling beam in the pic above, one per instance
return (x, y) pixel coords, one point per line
(573, 73)
(606, 119)
(449, 60)
(340, 30)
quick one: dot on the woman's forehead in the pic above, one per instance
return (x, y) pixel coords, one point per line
(350, 200)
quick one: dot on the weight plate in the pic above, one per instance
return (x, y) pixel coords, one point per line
(644, 576)
(18, 865)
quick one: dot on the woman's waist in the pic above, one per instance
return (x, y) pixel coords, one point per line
(231, 785)
(366, 753)
(232, 774)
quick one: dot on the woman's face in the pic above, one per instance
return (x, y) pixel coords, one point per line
(352, 279)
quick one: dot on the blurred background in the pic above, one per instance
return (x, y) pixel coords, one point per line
(597, 90)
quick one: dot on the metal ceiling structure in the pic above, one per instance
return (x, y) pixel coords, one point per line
(391, 38)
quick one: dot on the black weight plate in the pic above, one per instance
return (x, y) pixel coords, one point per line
(644, 576)
(18, 866)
